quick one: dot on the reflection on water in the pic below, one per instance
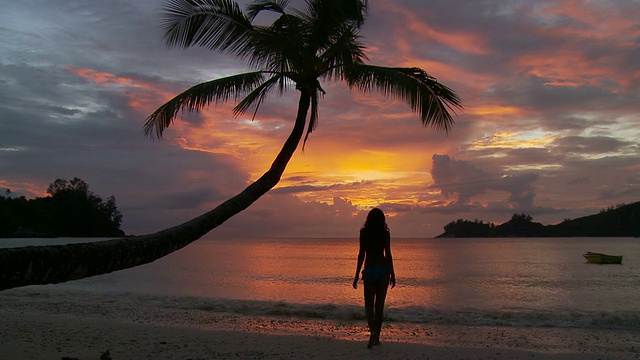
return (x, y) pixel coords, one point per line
(490, 274)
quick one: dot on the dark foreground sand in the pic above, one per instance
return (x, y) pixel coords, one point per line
(50, 328)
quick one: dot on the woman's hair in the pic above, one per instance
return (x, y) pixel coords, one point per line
(375, 220)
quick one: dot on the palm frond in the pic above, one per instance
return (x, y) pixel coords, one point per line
(313, 117)
(257, 6)
(344, 51)
(276, 48)
(326, 18)
(214, 24)
(434, 102)
(330, 13)
(199, 96)
(257, 96)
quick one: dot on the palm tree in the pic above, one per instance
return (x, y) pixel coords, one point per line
(298, 50)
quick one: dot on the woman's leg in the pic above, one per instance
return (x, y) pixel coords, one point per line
(380, 296)
(369, 303)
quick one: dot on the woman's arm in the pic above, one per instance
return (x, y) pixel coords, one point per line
(360, 262)
(392, 273)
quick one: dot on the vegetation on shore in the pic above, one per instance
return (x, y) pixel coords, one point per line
(619, 220)
(70, 210)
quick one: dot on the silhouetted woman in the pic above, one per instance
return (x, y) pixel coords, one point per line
(378, 274)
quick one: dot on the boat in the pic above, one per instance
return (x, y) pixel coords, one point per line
(599, 258)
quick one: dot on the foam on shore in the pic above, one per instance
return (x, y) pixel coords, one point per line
(53, 298)
(41, 324)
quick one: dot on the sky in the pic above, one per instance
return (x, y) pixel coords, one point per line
(551, 95)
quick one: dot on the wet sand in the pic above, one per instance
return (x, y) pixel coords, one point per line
(33, 327)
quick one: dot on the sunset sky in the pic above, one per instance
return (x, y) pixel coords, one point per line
(550, 126)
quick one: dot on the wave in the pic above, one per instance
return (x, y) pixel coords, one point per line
(561, 318)
(48, 299)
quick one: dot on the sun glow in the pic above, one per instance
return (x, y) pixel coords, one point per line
(513, 140)
(493, 110)
(26, 189)
(330, 167)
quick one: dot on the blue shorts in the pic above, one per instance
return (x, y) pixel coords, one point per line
(375, 273)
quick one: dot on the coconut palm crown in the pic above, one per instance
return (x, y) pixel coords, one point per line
(297, 51)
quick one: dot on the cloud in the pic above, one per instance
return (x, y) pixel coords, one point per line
(589, 145)
(550, 122)
(461, 178)
(314, 188)
(276, 215)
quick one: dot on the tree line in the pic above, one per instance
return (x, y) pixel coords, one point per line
(619, 220)
(69, 210)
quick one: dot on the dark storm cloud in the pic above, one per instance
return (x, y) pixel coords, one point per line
(315, 188)
(589, 145)
(461, 178)
(580, 180)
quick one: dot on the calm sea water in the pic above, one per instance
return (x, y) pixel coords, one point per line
(513, 282)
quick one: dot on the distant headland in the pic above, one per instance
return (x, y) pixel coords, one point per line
(621, 220)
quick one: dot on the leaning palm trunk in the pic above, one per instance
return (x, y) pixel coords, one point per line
(33, 265)
(299, 49)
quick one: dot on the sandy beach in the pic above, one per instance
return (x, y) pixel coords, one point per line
(42, 326)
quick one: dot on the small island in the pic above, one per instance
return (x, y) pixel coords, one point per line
(616, 221)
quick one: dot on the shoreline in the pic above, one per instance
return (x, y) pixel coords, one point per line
(84, 330)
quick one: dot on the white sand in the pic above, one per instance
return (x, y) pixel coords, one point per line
(45, 327)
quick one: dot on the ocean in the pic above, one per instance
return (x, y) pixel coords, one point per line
(518, 282)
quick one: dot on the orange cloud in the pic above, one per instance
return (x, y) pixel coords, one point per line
(367, 175)
(512, 140)
(447, 73)
(567, 67)
(220, 133)
(604, 22)
(26, 189)
(462, 41)
(144, 97)
(105, 79)
(598, 24)
(493, 110)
